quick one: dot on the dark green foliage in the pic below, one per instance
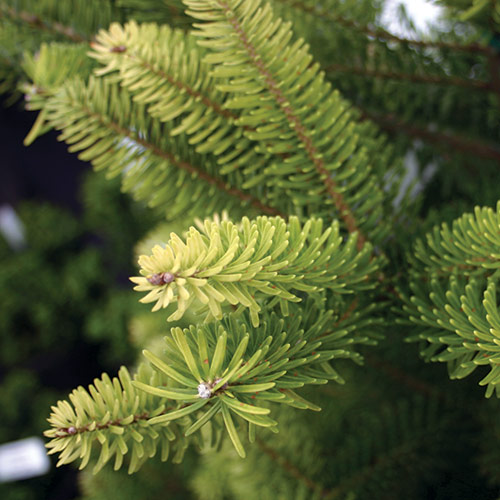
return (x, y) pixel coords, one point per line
(66, 291)
(62, 292)
(154, 481)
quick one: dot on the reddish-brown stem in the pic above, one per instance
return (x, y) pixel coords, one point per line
(295, 123)
(414, 78)
(70, 431)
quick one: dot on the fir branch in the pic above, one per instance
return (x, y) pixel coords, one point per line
(325, 146)
(213, 370)
(36, 22)
(245, 198)
(101, 103)
(378, 33)
(267, 257)
(153, 78)
(394, 124)
(115, 415)
(409, 77)
(470, 246)
(128, 43)
(291, 469)
(295, 123)
(458, 317)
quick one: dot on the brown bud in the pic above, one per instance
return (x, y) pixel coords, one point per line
(168, 277)
(156, 279)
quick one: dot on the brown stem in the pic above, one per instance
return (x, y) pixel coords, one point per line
(35, 21)
(393, 75)
(382, 34)
(295, 123)
(392, 123)
(72, 430)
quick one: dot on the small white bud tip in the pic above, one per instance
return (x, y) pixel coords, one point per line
(204, 391)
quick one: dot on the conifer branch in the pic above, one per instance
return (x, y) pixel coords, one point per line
(392, 123)
(414, 78)
(153, 78)
(115, 415)
(36, 22)
(295, 123)
(125, 43)
(245, 198)
(236, 264)
(457, 316)
(378, 33)
(289, 467)
(323, 141)
(99, 103)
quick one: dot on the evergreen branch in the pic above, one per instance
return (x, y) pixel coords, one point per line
(414, 78)
(36, 22)
(237, 367)
(267, 257)
(192, 169)
(294, 121)
(322, 14)
(125, 49)
(393, 124)
(460, 312)
(142, 148)
(289, 467)
(211, 371)
(152, 76)
(323, 151)
(461, 327)
(470, 247)
(115, 415)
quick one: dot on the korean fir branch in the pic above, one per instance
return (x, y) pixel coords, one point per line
(223, 374)
(56, 20)
(280, 92)
(162, 68)
(453, 302)
(242, 264)
(99, 120)
(113, 416)
(47, 70)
